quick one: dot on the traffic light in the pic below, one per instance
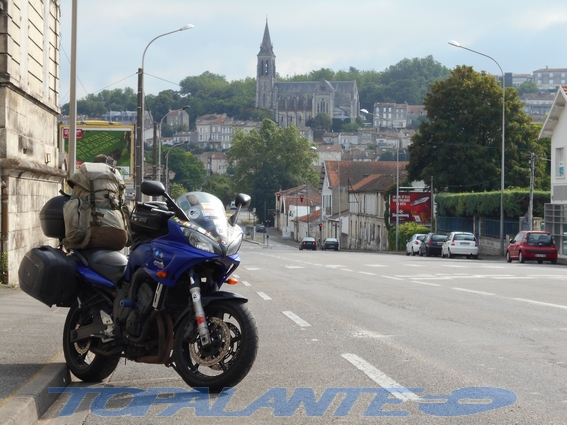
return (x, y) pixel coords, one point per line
(279, 195)
(301, 198)
(320, 226)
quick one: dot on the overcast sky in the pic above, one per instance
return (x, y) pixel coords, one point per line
(307, 35)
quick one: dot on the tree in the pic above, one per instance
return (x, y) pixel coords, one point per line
(528, 87)
(221, 186)
(322, 122)
(189, 171)
(407, 81)
(460, 145)
(268, 160)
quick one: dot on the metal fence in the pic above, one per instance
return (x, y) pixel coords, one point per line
(488, 226)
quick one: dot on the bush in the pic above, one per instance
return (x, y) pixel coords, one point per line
(407, 230)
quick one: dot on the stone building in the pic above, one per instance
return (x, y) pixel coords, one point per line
(299, 102)
(31, 166)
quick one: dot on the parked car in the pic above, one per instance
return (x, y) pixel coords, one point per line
(460, 243)
(331, 243)
(432, 244)
(413, 244)
(532, 245)
(308, 243)
(260, 228)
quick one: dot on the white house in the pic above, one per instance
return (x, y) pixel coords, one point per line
(555, 127)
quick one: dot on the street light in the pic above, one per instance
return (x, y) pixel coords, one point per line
(457, 44)
(161, 139)
(364, 111)
(139, 148)
(167, 164)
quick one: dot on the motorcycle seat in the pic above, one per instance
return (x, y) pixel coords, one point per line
(108, 263)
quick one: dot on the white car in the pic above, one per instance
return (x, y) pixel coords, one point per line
(460, 243)
(412, 247)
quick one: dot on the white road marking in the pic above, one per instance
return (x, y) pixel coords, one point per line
(252, 268)
(296, 319)
(294, 267)
(473, 292)
(264, 296)
(334, 266)
(391, 277)
(425, 283)
(368, 273)
(246, 283)
(369, 334)
(235, 276)
(375, 265)
(397, 390)
(346, 270)
(540, 303)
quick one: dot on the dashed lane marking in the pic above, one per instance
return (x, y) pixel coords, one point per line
(397, 390)
(298, 320)
(264, 296)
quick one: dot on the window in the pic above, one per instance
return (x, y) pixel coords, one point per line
(559, 162)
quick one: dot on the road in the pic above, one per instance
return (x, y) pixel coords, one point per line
(369, 338)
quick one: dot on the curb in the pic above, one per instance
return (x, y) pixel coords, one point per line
(33, 399)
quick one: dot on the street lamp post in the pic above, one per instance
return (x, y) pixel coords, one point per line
(457, 44)
(364, 111)
(139, 147)
(160, 136)
(167, 164)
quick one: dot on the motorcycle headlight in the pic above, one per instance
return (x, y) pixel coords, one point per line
(234, 245)
(201, 241)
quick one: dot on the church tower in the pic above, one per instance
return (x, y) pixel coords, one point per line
(266, 72)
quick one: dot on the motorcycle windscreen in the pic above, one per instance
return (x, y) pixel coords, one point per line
(207, 211)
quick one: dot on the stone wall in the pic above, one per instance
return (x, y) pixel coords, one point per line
(31, 166)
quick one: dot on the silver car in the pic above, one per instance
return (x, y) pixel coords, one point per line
(460, 243)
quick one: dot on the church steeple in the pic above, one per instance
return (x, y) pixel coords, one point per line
(266, 48)
(266, 72)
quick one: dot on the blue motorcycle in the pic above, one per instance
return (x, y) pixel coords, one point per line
(162, 304)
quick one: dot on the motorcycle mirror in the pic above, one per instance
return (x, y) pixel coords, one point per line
(242, 200)
(152, 188)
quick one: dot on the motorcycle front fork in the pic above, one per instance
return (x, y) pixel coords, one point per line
(195, 290)
(202, 327)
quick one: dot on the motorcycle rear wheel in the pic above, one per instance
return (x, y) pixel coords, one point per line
(229, 357)
(82, 362)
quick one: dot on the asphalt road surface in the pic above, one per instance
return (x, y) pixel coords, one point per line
(357, 338)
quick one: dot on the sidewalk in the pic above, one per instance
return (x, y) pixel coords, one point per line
(31, 356)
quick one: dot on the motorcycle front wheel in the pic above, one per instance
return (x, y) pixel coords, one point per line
(229, 357)
(82, 362)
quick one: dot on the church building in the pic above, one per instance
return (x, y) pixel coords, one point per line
(299, 102)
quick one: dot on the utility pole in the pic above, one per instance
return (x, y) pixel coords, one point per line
(531, 206)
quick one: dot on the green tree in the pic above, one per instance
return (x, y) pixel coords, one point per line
(460, 145)
(221, 186)
(528, 87)
(322, 122)
(189, 171)
(407, 81)
(268, 160)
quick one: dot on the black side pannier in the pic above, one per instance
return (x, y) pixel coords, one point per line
(48, 275)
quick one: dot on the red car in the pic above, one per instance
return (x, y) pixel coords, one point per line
(532, 245)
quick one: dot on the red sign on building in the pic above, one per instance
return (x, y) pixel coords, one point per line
(414, 206)
(66, 133)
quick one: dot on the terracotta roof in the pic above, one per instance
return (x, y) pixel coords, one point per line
(353, 172)
(375, 183)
